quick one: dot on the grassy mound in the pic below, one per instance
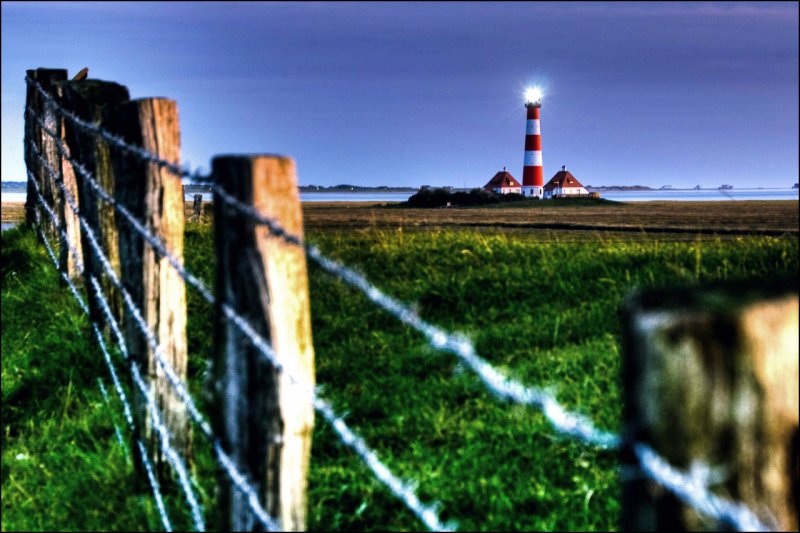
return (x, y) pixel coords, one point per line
(475, 198)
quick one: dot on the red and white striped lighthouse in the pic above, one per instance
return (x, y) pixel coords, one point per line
(532, 171)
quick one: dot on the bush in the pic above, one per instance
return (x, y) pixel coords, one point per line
(440, 198)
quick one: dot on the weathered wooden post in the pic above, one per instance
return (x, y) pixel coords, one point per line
(48, 139)
(37, 108)
(198, 202)
(71, 253)
(710, 377)
(154, 195)
(263, 419)
(88, 99)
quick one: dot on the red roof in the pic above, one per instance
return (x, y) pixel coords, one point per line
(502, 180)
(562, 179)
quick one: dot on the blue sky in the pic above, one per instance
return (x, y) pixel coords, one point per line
(431, 93)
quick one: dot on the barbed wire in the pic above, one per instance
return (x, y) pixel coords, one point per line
(401, 489)
(172, 456)
(127, 410)
(169, 371)
(502, 386)
(111, 138)
(244, 485)
(153, 240)
(687, 487)
(63, 274)
(65, 238)
(227, 463)
(427, 513)
(116, 426)
(692, 490)
(140, 446)
(571, 424)
(145, 460)
(172, 378)
(169, 452)
(154, 485)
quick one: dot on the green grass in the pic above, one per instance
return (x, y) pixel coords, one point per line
(545, 313)
(61, 467)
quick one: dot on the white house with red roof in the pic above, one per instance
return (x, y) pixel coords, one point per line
(503, 183)
(564, 184)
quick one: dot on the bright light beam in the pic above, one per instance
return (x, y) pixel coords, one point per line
(533, 95)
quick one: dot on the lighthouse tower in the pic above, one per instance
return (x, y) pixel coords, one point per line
(532, 172)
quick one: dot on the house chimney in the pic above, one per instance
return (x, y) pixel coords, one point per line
(563, 167)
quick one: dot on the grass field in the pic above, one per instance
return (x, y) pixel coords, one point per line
(666, 221)
(542, 310)
(558, 219)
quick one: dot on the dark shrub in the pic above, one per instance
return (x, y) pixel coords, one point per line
(439, 198)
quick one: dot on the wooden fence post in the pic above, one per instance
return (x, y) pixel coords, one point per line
(71, 248)
(154, 195)
(52, 192)
(710, 377)
(46, 145)
(264, 421)
(196, 205)
(88, 99)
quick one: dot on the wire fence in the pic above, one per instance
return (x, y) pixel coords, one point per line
(123, 399)
(400, 488)
(690, 487)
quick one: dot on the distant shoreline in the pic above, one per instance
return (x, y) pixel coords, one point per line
(10, 186)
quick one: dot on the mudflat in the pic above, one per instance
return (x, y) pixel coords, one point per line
(12, 212)
(678, 220)
(720, 218)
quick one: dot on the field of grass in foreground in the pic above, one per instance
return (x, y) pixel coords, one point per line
(545, 313)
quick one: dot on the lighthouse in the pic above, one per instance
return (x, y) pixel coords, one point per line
(532, 172)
